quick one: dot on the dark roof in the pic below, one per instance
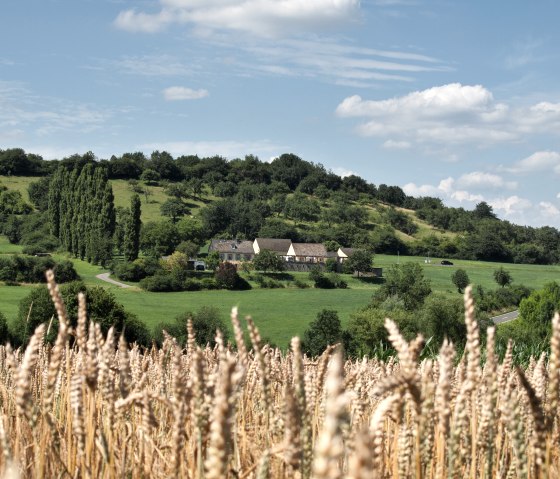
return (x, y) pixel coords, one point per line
(274, 244)
(348, 251)
(231, 246)
(310, 249)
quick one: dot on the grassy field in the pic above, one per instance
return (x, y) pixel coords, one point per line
(281, 313)
(7, 248)
(480, 272)
(18, 183)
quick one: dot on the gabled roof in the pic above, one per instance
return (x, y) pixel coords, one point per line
(346, 251)
(231, 246)
(277, 245)
(310, 249)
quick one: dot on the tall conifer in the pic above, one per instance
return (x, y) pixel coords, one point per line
(131, 241)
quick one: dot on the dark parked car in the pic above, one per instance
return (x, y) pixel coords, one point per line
(446, 263)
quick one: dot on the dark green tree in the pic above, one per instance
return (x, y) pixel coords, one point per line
(267, 260)
(39, 193)
(174, 208)
(212, 260)
(131, 237)
(159, 238)
(460, 279)
(502, 277)
(325, 330)
(206, 321)
(406, 282)
(359, 261)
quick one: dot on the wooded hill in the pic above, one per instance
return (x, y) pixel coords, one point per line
(190, 200)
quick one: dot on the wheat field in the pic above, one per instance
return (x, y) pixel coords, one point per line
(90, 406)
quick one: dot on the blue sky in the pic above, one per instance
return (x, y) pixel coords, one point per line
(459, 100)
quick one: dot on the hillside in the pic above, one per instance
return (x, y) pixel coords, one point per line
(288, 197)
(154, 196)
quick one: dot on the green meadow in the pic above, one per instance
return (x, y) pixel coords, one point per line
(284, 312)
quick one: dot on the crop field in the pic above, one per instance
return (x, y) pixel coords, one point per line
(96, 408)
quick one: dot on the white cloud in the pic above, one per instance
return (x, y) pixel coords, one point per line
(449, 115)
(227, 149)
(396, 145)
(266, 18)
(511, 206)
(538, 161)
(175, 93)
(482, 180)
(343, 172)
(446, 189)
(549, 210)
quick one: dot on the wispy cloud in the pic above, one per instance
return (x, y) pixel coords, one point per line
(452, 114)
(22, 110)
(524, 53)
(264, 18)
(174, 93)
(147, 65)
(333, 60)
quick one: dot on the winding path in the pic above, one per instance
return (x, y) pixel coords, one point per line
(105, 277)
(504, 318)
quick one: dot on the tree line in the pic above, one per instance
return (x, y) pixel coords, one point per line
(290, 197)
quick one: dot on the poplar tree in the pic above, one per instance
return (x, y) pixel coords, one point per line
(82, 212)
(132, 230)
(53, 210)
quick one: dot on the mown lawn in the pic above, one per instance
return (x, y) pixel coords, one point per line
(280, 314)
(7, 248)
(10, 296)
(480, 272)
(18, 183)
(152, 202)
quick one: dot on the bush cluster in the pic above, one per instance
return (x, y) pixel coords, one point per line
(268, 283)
(31, 269)
(137, 269)
(102, 307)
(323, 281)
(502, 298)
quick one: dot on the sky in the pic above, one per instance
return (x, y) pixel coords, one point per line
(459, 100)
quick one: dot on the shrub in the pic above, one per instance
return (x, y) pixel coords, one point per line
(337, 280)
(161, 282)
(460, 279)
(64, 272)
(209, 283)
(227, 277)
(30, 269)
(129, 271)
(102, 307)
(323, 331)
(205, 323)
(298, 283)
(191, 284)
